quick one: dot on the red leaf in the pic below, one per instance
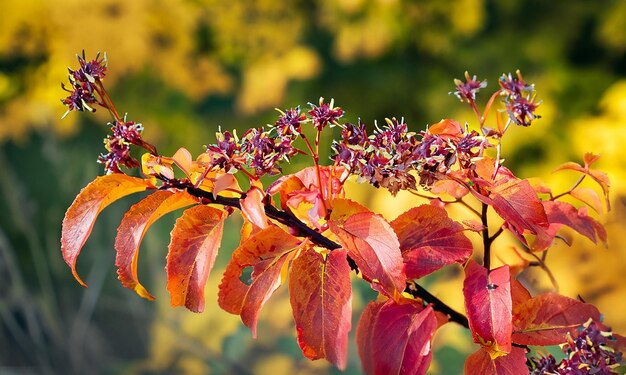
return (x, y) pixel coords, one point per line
(566, 214)
(430, 240)
(321, 300)
(545, 319)
(364, 334)
(481, 363)
(196, 237)
(453, 188)
(488, 304)
(266, 252)
(343, 209)
(134, 226)
(517, 203)
(519, 294)
(81, 215)
(374, 246)
(400, 338)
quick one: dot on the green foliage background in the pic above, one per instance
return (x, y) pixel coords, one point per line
(183, 68)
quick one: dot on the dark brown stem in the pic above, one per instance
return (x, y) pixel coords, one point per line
(418, 291)
(486, 239)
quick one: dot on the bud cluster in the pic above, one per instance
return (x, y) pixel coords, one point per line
(466, 91)
(123, 134)
(519, 99)
(587, 352)
(83, 83)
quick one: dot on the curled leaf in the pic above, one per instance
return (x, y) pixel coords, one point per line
(134, 226)
(82, 214)
(265, 252)
(396, 338)
(195, 239)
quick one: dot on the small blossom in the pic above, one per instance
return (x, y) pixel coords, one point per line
(290, 122)
(515, 86)
(522, 110)
(225, 154)
(118, 144)
(83, 81)
(466, 91)
(324, 114)
(519, 99)
(586, 352)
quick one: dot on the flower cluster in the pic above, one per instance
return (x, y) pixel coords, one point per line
(586, 353)
(387, 158)
(118, 146)
(83, 83)
(519, 99)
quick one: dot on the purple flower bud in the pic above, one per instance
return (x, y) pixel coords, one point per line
(324, 114)
(466, 91)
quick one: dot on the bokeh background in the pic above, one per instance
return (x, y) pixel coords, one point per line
(183, 68)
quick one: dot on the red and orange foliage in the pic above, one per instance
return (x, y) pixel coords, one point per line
(302, 229)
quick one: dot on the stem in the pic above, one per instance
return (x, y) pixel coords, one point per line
(107, 101)
(580, 180)
(486, 239)
(476, 112)
(316, 159)
(417, 290)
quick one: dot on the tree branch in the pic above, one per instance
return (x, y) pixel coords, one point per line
(304, 230)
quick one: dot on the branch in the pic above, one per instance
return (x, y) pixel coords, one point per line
(305, 231)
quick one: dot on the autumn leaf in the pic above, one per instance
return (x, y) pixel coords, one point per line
(134, 226)
(480, 362)
(373, 245)
(321, 300)
(82, 214)
(396, 338)
(253, 208)
(429, 240)
(578, 219)
(545, 319)
(489, 307)
(589, 197)
(598, 176)
(266, 252)
(517, 203)
(195, 239)
(364, 334)
(446, 129)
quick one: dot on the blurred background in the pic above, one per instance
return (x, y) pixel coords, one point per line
(183, 68)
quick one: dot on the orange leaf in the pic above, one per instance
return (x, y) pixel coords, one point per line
(589, 197)
(545, 319)
(266, 252)
(321, 300)
(134, 226)
(446, 128)
(182, 158)
(81, 215)
(374, 246)
(252, 207)
(196, 237)
(513, 363)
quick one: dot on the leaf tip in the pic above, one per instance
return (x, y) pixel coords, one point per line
(80, 281)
